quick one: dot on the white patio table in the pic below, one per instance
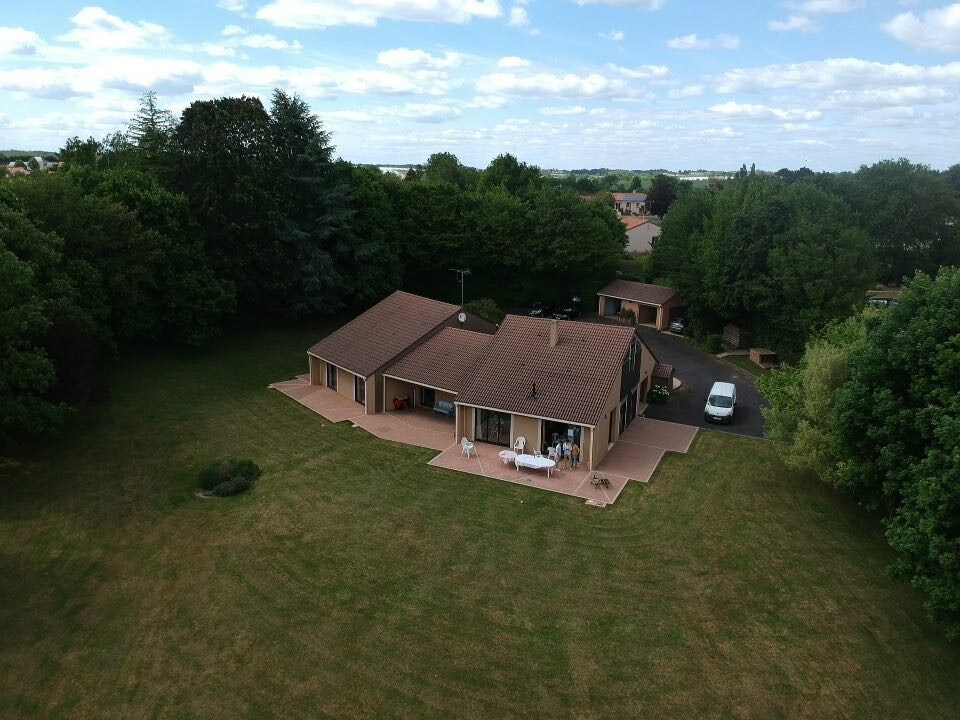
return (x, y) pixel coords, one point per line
(536, 463)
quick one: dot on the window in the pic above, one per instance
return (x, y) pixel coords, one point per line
(493, 427)
(360, 389)
(331, 376)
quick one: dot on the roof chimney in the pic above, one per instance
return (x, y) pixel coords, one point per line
(554, 332)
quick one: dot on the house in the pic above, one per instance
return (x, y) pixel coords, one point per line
(630, 203)
(651, 304)
(352, 360)
(641, 233)
(547, 379)
(437, 370)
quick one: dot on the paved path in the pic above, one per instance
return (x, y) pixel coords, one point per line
(698, 371)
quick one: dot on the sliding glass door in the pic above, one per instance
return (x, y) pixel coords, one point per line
(493, 427)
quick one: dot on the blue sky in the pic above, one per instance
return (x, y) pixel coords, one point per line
(681, 84)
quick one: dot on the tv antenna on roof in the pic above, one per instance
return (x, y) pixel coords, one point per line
(461, 274)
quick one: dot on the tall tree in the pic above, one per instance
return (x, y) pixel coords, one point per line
(224, 160)
(898, 418)
(313, 212)
(34, 293)
(662, 194)
(150, 130)
(910, 212)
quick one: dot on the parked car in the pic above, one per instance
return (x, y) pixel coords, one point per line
(569, 310)
(721, 402)
(677, 325)
(539, 309)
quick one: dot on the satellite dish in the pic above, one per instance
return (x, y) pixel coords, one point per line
(462, 317)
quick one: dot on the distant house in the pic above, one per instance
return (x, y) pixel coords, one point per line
(353, 359)
(14, 170)
(651, 304)
(630, 203)
(640, 233)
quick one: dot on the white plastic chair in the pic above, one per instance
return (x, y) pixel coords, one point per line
(519, 443)
(552, 453)
(467, 447)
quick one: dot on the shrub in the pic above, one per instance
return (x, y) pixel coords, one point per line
(713, 344)
(231, 487)
(228, 477)
(659, 393)
(627, 316)
(485, 308)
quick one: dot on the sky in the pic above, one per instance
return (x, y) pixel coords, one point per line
(676, 84)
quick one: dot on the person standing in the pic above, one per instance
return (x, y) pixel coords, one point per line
(575, 454)
(566, 453)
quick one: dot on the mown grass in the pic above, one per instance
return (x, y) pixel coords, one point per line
(357, 581)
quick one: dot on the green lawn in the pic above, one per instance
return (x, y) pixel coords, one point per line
(357, 581)
(745, 363)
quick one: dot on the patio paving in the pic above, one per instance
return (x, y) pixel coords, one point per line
(487, 463)
(634, 456)
(671, 436)
(328, 403)
(411, 427)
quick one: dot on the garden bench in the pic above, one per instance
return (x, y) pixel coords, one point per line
(600, 479)
(444, 407)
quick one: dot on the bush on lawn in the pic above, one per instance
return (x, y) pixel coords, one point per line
(713, 344)
(228, 477)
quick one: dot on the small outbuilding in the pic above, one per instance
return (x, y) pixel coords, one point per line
(651, 304)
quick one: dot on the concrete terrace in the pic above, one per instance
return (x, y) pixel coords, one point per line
(634, 456)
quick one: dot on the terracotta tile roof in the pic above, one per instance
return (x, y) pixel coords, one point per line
(445, 361)
(632, 221)
(373, 339)
(630, 197)
(573, 379)
(639, 292)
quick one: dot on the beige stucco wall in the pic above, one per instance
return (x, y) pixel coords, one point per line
(371, 406)
(601, 437)
(640, 239)
(527, 427)
(396, 388)
(316, 370)
(466, 426)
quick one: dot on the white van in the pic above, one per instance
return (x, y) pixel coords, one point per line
(721, 402)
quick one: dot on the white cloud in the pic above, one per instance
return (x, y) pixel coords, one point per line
(560, 111)
(269, 42)
(937, 29)
(548, 84)
(826, 6)
(613, 35)
(694, 42)
(426, 112)
(330, 13)
(237, 6)
(643, 72)
(724, 132)
(836, 73)
(96, 29)
(487, 102)
(518, 17)
(735, 109)
(407, 58)
(511, 62)
(686, 91)
(232, 30)
(794, 23)
(18, 41)
(650, 5)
